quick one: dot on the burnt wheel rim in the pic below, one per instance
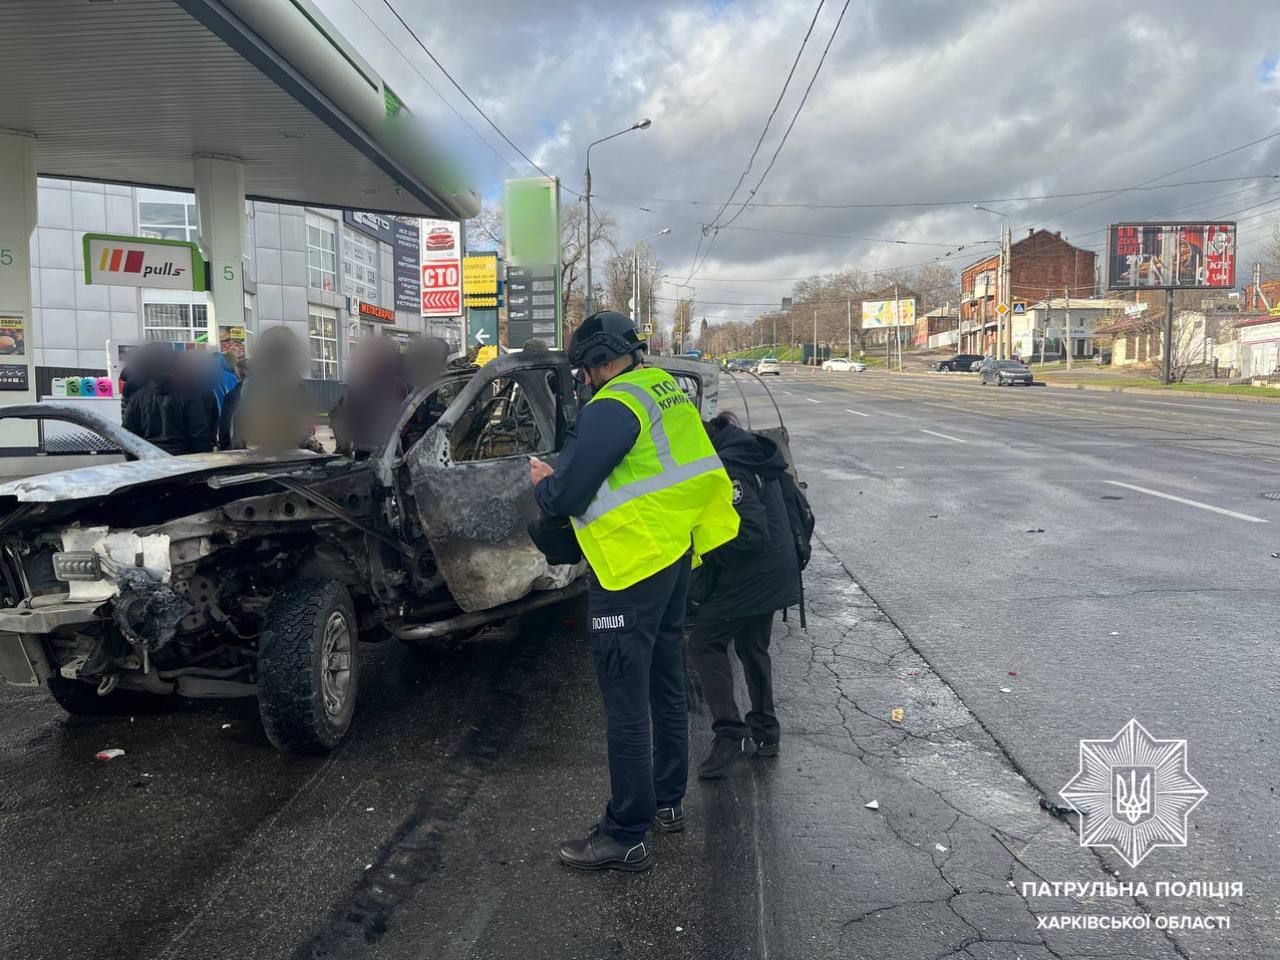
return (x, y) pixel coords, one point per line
(335, 664)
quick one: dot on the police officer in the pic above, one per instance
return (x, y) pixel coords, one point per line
(644, 490)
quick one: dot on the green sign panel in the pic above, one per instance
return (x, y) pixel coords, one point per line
(533, 260)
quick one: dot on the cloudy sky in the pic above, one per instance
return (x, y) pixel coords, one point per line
(919, 102)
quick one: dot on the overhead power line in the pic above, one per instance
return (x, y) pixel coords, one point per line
(840, 205)
(781, 143)
(772, 113)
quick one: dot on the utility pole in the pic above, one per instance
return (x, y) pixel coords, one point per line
(1067, 322)
(1048, 315)
(815, 336)
(897, 323)
(849, 308)
(1008, 291)
(1167, 372)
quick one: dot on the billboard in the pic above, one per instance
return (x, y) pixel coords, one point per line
(1183, 256)
(403, 240)
(888, 313)
(441, 269)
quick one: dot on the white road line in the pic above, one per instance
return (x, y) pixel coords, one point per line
(811, 400)
(900, 416)
(1189, 503)
(1190, 405)
(856, 413)
(788, 393)
(944, 436)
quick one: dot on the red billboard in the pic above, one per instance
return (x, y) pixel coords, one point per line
(1164, 256)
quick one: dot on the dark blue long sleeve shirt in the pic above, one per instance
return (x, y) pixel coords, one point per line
(605, 433)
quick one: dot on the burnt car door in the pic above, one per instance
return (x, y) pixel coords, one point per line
(468, 477)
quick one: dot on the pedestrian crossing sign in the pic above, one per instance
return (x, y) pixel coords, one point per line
(1019, 308)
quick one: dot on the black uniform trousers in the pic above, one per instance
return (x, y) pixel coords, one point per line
(709, 648)
(637, 642)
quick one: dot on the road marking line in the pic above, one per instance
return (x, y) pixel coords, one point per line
(811, 400)
(1189, 503)
(1190, 405)
(856, 413)
(944, 436)
(900, 416)
(788, 393)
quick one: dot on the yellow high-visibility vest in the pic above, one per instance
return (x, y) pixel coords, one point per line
(669, 493)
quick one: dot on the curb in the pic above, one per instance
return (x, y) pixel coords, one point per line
(1151, 392)
(1098, 387)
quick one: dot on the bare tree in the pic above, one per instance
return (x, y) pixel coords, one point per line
(486, 230)
(619, 272)
(573, 256)
(1271, 256)
(682, 325)
(936, 283)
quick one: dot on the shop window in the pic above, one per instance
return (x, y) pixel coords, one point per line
(322, 254)
(323, 341)
(360, 266)
(182, 322)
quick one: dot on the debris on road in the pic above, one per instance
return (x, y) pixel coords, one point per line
(110, 754)
(873, 805)
(1036, 530)
(896, 714)
(940, 848)
(1013, 673)
(1005, 690)
(226, 726)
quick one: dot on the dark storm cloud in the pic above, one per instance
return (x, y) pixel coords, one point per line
(917, 101)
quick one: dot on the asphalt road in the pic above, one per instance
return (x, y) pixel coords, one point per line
(432, 831)
(1113, 550)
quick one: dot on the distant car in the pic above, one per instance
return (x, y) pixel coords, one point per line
(740, 365)
(440, 238)
(843, 365)
(977, 364)
(960, 363)
(769, 365)
(1001, 372)
(1102, 358)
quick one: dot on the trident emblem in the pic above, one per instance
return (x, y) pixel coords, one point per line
(1133, 796)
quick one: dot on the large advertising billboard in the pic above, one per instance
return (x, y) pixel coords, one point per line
(888, 313)
(1183, 256)
(403, 240)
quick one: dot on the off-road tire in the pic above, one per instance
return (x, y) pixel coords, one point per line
(290, 687)
(80, 699)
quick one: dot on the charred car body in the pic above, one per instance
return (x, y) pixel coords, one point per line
(243, 573)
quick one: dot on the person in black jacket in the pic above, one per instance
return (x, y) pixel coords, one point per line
(743, 583)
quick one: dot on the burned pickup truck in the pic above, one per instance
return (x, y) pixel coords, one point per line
(244, 573)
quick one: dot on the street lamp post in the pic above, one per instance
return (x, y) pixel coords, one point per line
(639, 125)
(1004, 325)
(635, 272)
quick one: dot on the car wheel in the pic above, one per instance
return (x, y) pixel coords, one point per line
(308, 666)
(80, 699)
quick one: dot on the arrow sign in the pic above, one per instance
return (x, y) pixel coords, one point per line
(482, 337)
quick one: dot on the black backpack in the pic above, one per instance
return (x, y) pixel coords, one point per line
(800, 514)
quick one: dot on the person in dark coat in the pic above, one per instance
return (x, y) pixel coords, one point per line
(172, 414)
(743, 583)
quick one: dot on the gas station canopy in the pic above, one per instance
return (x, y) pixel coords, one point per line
(130, 90)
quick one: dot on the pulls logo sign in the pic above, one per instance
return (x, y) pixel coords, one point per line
(143, 262)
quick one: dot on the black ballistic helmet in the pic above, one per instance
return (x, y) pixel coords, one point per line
(603, 336)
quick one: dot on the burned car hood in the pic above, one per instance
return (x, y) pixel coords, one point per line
(88, 483)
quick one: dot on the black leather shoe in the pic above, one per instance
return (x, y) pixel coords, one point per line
(669, 819)
(599, 851)
(767, 748)
(724, 753)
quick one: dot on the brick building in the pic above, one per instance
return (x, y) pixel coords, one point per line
(1041, 264)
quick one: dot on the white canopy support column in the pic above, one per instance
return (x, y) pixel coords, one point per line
(219, 186)
(17, 223)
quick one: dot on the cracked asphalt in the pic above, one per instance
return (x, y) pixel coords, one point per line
(432, 831)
